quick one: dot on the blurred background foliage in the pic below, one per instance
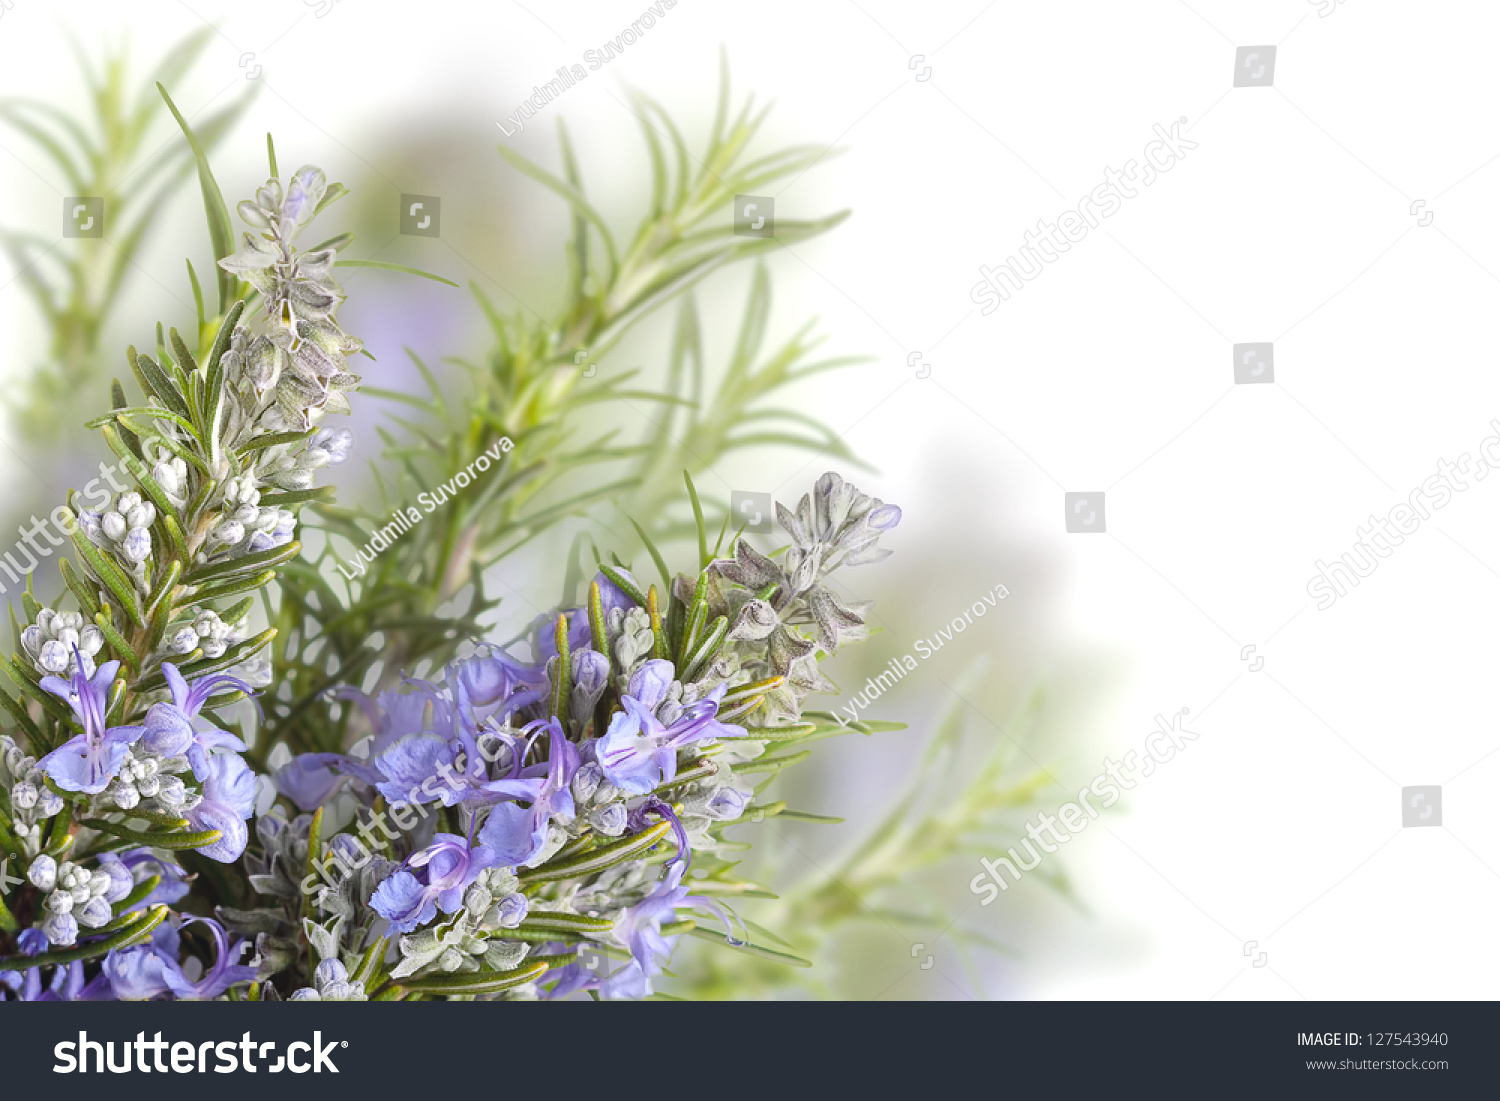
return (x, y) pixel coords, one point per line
(658, 355)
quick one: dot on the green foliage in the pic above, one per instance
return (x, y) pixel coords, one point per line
(113, 155)
(537, 387)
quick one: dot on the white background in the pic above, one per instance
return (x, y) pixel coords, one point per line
(1290, 222)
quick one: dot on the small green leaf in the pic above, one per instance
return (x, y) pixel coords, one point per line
(267, 558)
(596, 860)
(703, 558)
(155, 381)
(705, 651)
(86, 599)
(557, 921)
(140, 893)
(172, 841)
(234, 586)
(474, 982)
(596, 620)
(562, 677)
(773, 764)
(393, 267)
(623, 582)
(293, 496)
(123, 650)
(749, 949)
(220, 229)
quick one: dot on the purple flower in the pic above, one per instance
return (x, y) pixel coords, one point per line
(409, 766)
(639, 927)
(445, 869)
(140, 865)
(228, 800)
(519, 834)
(404, 901)
(309, 779)
(611, 595)
(494, 683)
(152, 970)
(89, 761)
(121, 882)
(170, 725)
(638, 753)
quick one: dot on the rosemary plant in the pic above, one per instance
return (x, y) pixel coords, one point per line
(524, 820)
(120, 747)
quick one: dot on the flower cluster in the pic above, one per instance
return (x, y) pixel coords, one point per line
(546, 808)
(301, 361)
(61, 642)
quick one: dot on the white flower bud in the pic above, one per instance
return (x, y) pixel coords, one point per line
(114, 526)
(184, 641)
(172, 792)
(137, 545)
(125, 796)
(48, 803)
(60, 902)
(43, 873)
(167, 477)
(297, 478)
(61, 930)
(229, 532)
(95, 913)
(90, 640)
(24, 796)
(54, 657)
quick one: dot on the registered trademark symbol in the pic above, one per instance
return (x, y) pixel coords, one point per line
(343, 1043)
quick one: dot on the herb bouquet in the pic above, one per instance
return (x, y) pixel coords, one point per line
(527, 821)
